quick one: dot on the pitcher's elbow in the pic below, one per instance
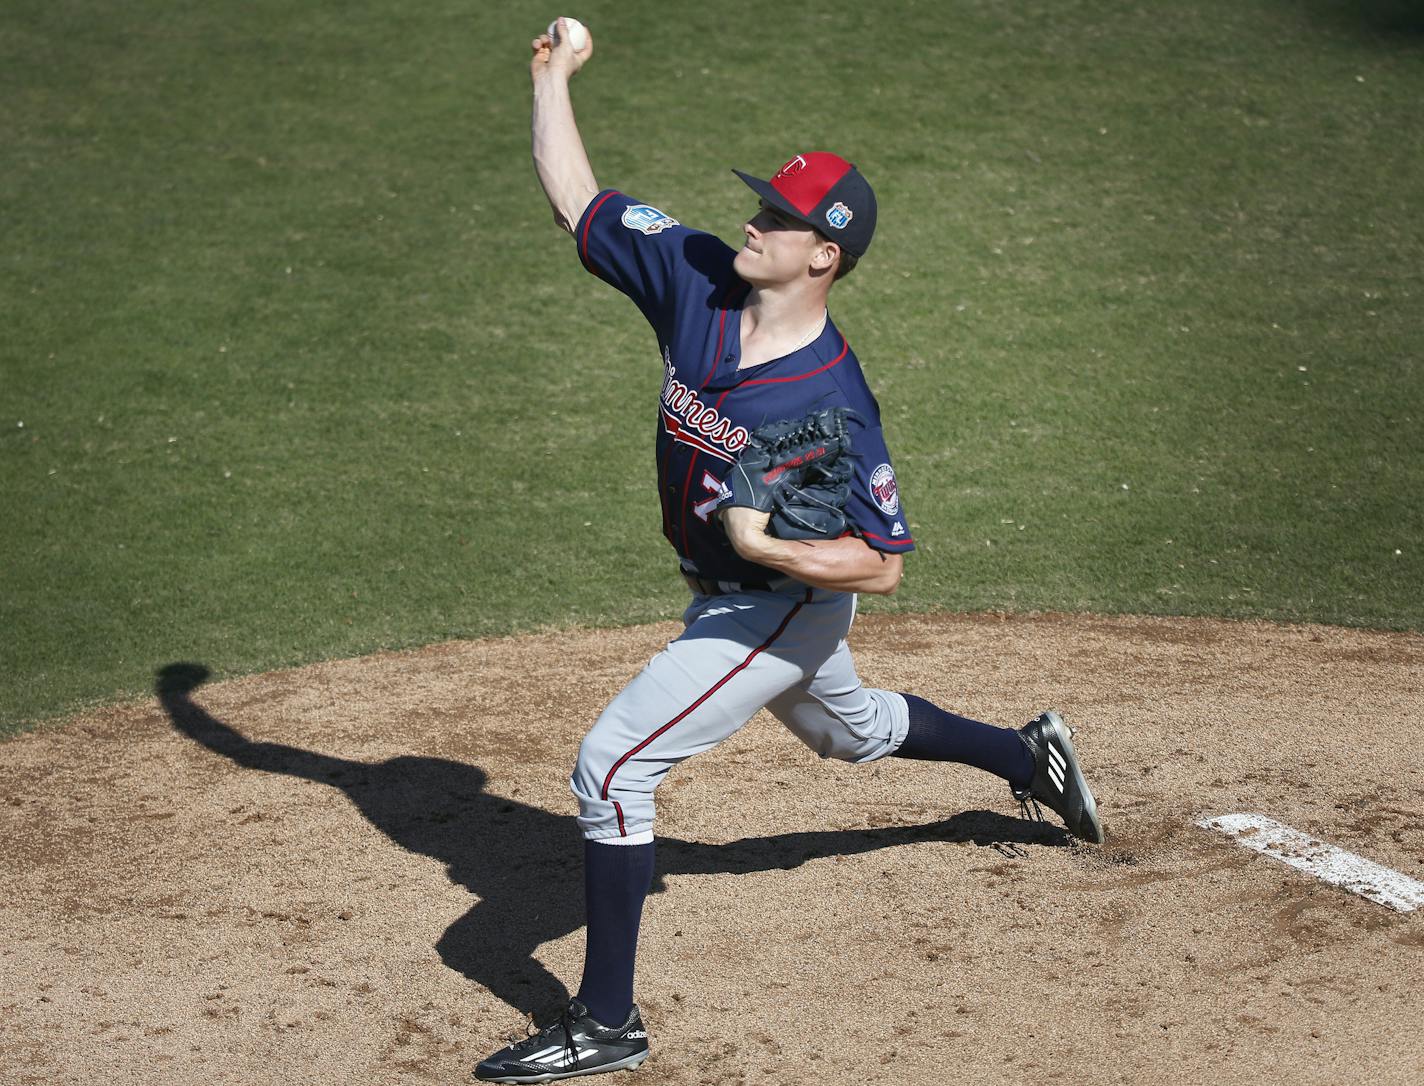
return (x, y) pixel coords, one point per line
(889, 580)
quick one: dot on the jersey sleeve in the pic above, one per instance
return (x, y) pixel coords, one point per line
(875, 507)
(641, 251)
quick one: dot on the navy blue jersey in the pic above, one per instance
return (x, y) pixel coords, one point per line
(682, 281)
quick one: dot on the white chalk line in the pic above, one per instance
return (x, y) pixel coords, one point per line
(1333, 865)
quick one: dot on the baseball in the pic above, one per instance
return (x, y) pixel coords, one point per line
(578, 36)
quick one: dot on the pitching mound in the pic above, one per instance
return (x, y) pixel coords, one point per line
(368, 871)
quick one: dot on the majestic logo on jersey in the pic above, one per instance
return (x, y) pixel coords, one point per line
(690, 421)
(647, 219)
(792, 168)
(839, 215)
(884, 490)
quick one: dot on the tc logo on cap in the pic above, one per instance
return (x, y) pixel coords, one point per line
(839, 216)
(792, 168)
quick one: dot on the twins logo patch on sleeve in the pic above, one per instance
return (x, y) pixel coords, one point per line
(884, 490)
(647, 219)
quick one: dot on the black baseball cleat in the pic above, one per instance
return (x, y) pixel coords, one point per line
(574, 1045)
(1058, 779)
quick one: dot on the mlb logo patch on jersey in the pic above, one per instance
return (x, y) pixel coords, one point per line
(884, 490)
(839, 215)
(647, 219)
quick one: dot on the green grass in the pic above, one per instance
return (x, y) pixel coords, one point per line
(304, 370)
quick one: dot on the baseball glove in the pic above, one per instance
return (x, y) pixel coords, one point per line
(799, 471)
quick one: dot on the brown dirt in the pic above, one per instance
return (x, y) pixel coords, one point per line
(368, 872)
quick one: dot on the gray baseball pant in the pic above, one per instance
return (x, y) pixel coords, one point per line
(739, 652)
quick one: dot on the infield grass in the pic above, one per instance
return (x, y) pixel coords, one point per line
(295, 365)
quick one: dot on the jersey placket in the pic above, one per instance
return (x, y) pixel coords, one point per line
(688, 495)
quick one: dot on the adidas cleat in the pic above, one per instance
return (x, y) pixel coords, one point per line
(574, 1045)
(1057, 778)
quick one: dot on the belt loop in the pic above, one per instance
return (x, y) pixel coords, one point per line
(706, 586)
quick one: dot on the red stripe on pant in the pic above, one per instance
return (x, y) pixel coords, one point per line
(608, 780)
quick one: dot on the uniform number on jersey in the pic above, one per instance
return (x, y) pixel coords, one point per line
(704, 508)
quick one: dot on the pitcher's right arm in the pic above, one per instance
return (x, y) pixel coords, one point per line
(559, 156)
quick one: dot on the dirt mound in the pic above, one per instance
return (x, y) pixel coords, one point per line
(368, 871)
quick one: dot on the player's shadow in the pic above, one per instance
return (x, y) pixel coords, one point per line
(523, 863)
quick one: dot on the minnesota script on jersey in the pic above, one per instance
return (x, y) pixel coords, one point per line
(682, 281)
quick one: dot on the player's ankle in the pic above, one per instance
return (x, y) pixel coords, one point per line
(605, 1013)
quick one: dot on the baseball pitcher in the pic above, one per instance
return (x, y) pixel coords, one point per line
(780, 502)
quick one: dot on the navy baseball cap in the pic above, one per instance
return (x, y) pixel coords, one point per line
(823, 191)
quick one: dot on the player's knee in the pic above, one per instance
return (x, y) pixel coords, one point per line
(860, 733)
(608, 810)
(588, 775)
(593, 782)
(844, 746)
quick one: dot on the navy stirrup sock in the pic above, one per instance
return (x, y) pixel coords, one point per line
(939, 736)
(616, 879)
